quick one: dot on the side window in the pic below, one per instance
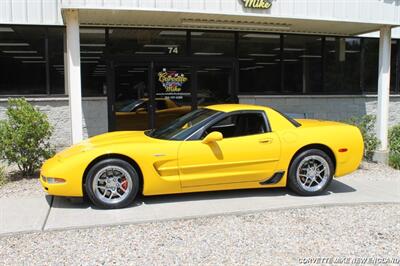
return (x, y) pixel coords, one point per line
(239, 125)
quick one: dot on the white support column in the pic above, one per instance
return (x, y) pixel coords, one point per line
(73, 74)
(382, 126)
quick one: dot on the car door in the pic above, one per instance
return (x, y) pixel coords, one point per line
(248, 152)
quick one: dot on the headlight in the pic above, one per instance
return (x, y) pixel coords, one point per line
(53, 180)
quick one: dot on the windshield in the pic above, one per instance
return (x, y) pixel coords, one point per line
(182, 127)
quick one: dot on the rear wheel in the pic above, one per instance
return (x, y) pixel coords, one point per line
(112, 183)
(310, 173)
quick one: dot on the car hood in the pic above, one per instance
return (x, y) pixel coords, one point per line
(117, 138)
(104, 141)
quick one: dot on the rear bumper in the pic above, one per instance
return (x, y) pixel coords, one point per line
(349, 161)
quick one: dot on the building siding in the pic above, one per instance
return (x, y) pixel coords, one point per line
(369, 11)
(95, 119)
(49, 11)
(338, 108)
(35, 12)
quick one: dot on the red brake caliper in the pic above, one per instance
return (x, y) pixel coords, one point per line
(124, 183)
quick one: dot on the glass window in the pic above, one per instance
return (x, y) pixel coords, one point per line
(147, 42)
(394, 68)
(213, 43)
(173, 82)
(173, 93)
(342, 65)
(131, 97)
(56, 59)
(260, 69)
(22, 60)
(239, 125)
(302, 59)
(214, 84)
(93, 64)
(371, 65)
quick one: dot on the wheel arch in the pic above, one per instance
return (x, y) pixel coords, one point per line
(125, 158)
(317, 146)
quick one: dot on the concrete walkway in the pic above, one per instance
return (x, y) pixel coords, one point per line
(47, 213)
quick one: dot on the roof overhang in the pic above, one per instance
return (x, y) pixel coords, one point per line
(214, 21)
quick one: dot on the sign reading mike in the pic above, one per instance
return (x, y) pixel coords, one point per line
(259, 4)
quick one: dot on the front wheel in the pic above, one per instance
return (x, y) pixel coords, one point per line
(310, 173)
(112, 183)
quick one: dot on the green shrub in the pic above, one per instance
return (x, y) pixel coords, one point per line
(24, 136)
(394, 160)
(366, 125)
(394, 139)
(3, 177)
(394, 145)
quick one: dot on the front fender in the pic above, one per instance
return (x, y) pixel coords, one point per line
(70, 169)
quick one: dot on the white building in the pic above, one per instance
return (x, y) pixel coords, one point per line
(96, 66)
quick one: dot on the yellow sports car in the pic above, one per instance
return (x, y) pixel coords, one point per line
(221, 147)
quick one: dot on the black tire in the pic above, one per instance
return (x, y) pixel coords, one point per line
(116, 170)
(299, 184)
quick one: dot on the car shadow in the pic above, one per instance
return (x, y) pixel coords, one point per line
(335, 187)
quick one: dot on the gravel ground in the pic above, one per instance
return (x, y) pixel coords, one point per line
(31, 187)
(280, 237)
(373, 171)
(21, 187)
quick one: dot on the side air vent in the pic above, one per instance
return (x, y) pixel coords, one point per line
(274, 179)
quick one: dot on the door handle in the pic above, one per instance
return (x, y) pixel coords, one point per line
(265, 140)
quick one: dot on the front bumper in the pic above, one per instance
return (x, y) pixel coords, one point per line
(54, 168)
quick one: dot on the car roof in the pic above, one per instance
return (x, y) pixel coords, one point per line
(235, 107)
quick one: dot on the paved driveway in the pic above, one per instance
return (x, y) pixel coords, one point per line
(47, 213)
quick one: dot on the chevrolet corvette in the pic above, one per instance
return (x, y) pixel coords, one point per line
(220, 147)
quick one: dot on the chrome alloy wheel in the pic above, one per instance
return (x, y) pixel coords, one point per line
(313, 173)
(112, 184)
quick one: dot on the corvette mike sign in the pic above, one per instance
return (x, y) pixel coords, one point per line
(172, 81)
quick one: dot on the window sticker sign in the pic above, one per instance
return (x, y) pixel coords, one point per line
(172, 81)
(258, 4)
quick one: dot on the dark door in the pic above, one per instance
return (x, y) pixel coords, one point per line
(151, 94)
(173, 91)
(131, 109)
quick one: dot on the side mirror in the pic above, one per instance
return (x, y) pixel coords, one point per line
(213, 137)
